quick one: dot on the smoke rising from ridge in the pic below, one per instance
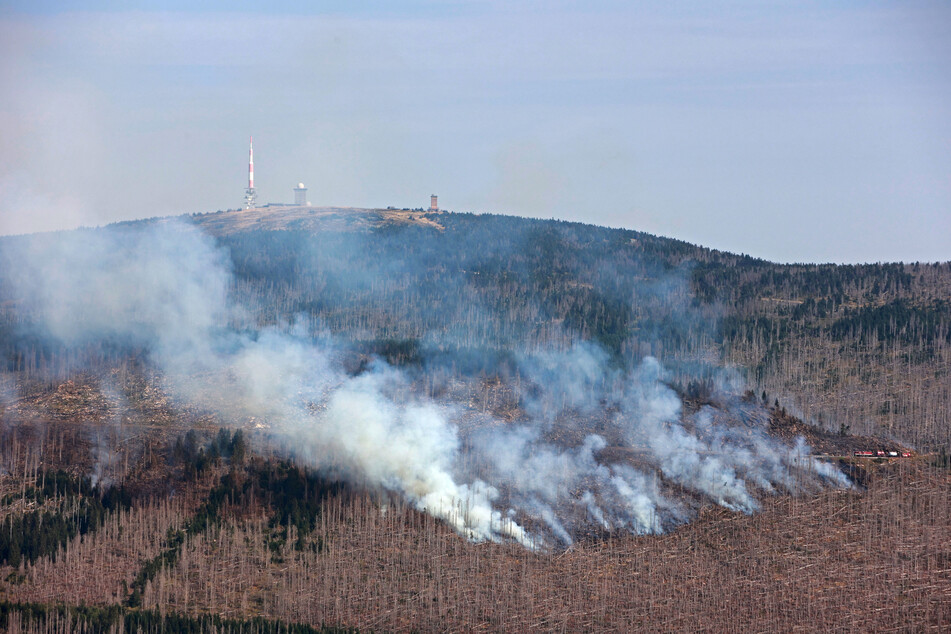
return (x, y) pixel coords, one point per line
(545, 478)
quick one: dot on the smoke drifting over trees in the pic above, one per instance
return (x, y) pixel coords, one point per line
(410, 421)
(221, 343)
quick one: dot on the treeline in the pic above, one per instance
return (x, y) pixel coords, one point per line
(896, 322)
(78, 508)
(294, 496)
(37, 617)
(194, 457)
(734, 280)
(52, 484)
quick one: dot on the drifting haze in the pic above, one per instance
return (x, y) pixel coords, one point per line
(794, 132)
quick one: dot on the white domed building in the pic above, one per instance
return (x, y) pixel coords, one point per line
(300, 195)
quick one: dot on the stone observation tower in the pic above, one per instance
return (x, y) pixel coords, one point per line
(433, 205)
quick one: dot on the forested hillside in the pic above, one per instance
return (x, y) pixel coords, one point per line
(320, 419)
(861, 348)
(865, 348)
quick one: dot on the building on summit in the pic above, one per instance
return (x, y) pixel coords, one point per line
(300, 195)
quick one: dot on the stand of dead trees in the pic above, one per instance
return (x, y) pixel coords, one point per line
(263, 539)
(859, 349)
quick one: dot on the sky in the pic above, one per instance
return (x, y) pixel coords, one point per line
(792, 131)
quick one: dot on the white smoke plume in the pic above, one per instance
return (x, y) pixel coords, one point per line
(165, 289)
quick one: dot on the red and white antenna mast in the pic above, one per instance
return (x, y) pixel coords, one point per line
(249, 195)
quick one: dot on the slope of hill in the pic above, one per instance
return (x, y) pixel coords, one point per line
(253, 538)
(860, 347)
(379, 418)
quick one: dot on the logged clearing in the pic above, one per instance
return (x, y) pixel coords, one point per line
(310, 219)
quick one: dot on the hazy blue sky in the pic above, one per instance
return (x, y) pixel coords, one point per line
(794, 131)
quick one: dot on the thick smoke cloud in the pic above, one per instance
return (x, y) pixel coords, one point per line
(166, 289)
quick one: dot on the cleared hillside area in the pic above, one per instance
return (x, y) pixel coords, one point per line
(309, 219)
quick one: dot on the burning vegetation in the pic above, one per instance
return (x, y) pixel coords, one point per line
(373, 426)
